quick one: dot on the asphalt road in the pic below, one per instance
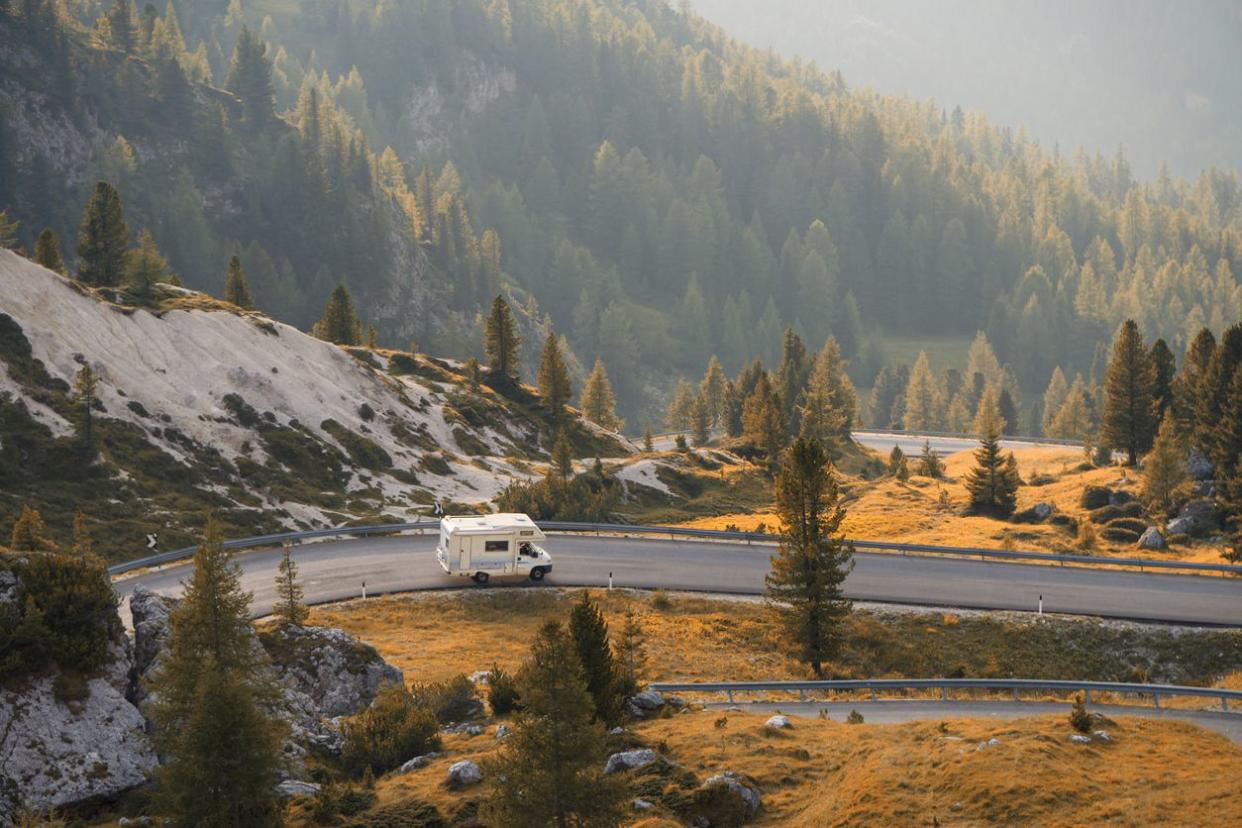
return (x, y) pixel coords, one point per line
(896, 711)
(884, 442)
(336, 570)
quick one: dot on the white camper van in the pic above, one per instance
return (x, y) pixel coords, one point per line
(485, 545)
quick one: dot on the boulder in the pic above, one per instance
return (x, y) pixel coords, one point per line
(641, 805)
(150, 612)
(1197, 516)
(464, 773)
(9, 590)
(1095, 497)
(1152, 539)
(418, 762)
(779, 722)
(629, 760)
(502, 730)
(1180, 526)
(327, 670)
(1200, 467)
(1102, 735)
(726, 799)
(989, 744)
(1035, 514)
(1079, 739)
(1042, 510)
(295, 787)
(644, 704)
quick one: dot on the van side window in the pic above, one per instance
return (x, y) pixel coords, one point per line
(496, 546)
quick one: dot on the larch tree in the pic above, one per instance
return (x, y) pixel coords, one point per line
(804, 586)
(145, 267)
(339, 322)
(1129, 420)
(555, 389)
(1164, 469)
(85, 392)
(222, 752)
(8, 231)
(714, 387)
(924, 400)
(1054, 398)
(930, 464)
(993, 483)
(47, 252)
(648, 440)
(678, 413)
(102, 238)
(763, 420)
(289, 608)
(598, 403)
(29, 532)
(631, 652)
(557, 748)
(1073, 421)
(700, 419)
(791, 375)
(562, 458)
(502, 342)
(589, 631)
(83, 546)
(237, 285)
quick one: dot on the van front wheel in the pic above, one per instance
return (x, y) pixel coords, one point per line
(537, 573)
(479, 578)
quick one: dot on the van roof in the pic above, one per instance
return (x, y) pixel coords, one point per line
(484, 524)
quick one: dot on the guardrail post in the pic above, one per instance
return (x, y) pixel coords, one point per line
(944, 694)
(1086, 696)
(730, 692)
(1155, 699)
(1015, 694)
(1224, 704)
(873, 696)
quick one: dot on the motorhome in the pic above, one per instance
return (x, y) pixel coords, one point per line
(482, 546)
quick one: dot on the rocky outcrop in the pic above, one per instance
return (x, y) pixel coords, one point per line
(62, 745)
(647, 703)
(150, 612)
(629, 760)
(1196, 517)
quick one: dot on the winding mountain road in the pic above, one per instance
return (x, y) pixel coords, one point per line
(911, 444)
(336, 570)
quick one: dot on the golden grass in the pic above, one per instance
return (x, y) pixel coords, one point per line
(827, 773)
(912, 512)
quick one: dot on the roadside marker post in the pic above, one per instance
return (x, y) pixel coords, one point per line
(364, 590)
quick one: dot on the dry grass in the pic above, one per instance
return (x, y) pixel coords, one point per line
(912, 512)
(826, 773)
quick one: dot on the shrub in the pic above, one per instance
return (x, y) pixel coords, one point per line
(393, 729)
(403, 813)
(454, 700)
(660, 600)
(502, 692)
(854, 718)
(1079, 718)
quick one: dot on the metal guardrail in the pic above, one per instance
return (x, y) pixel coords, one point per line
(897, 432)
(716, 535)
(1156, 691)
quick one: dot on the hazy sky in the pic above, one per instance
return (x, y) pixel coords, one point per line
(1164, 79)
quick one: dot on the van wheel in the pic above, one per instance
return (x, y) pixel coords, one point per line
(536, 574)
(479, 578)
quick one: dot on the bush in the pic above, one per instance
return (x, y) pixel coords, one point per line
(404, 813)
(1079, 718)
(1094, 497)
(854, 718)
(454, 700)
(502, 692)
(393, 729)
(660, 600)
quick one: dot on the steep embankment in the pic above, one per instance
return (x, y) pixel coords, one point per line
(200, 405)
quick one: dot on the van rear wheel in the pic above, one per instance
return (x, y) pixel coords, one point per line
(537, 573)
(479, 578)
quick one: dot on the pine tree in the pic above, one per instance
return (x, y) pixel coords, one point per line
(814, 559)
(556, 748)
(1007, 409)
(8, 231)
(562, 458)
(598, 404)
(47, 252)
(924, 399)
(993, 483)
(896, 460)
(930, 464)
(102, 238)
(250, 78)
(1189, 380)
(1129, 420)
(1228, 439)
(554, 385)
(339, 323)
(763, 420)
(590, 634)
(631, 652)
(501, 341)
(1212, 394)
(700, 419)
(145, 267)
(715, 388)
(791, 376)
(1165, 366)
(85, 390)
(222, 752)
(1164, 469)
(237, 286)
(289, 608)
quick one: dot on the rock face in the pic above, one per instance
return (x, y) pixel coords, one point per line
(55, 753)
(1152, 539)
(150, 613)
(629, 760)
(327, 671)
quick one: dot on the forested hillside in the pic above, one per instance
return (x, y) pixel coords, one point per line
(643, 185)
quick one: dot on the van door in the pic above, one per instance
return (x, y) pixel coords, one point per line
(462, 542)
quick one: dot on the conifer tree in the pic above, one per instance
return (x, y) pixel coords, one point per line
(122, 28)
(677, 417)
(648, 440)
(791, 375)
(700, 419)
(930, 464)
(501, 341)
(145, 267)
(1054, 398)
(8, 231)
(896, 460)
(556, 748)
(813, 559)
(562, 458)
(1008, 412)
(1074, 420)
(250, 78)
(237, 286)
(289, 608)
(1212, 394)
(1228, 439)
(631, 652)
(554, 386)
(1129, 421)
(763, 420)
(598, 404)
(715, 388)
(924, 400)
(993, 483)
(47, 252)
(339, 323)
(1164, 469)
(102, 238)
(1189, 380)
(1164, 364)
(222, 751)
(83, 546)
(85, 389)
(590, 634)
(29, 532)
